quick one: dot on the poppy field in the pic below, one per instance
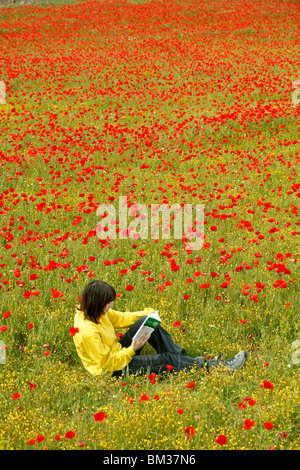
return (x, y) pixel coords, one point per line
(161, 102)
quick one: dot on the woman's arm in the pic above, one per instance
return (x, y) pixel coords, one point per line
(126, 319)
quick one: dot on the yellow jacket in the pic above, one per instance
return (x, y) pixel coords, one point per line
(97, 344)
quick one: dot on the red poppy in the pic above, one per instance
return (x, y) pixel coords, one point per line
(70, 434)
(281, 283)
(143, 397)
(129, 287)
(268, 425)
(180, 411)
(221, 439)
(282, 435)
(36, 293)
(251, 402)
(190, 385)
(267, 384)
(100, 416)
(32, 385)
(161, 288)
(224, 284)
(27, 294)
(16, 396)
(73, 331)
(190, 431)
(248, 424)
(204, 286)
(152, 378)
(254, 297)
(56, 293)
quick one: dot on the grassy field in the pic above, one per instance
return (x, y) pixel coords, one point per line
(174, 102)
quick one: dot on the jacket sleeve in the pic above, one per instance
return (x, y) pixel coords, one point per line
(101, 354)
(126, 319)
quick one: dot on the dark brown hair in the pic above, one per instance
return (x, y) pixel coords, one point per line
(95, 296)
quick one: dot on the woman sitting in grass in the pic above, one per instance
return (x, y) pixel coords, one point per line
(100, 349)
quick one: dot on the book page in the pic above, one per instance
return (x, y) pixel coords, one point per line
(150, 323)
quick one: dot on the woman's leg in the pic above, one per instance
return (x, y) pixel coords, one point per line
(168, 353)
(158, 363)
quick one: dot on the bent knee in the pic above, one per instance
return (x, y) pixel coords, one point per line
(141, 320)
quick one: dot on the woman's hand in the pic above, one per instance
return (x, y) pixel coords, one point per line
(140, 342)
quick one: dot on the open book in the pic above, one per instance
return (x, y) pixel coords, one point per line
(151, 322)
